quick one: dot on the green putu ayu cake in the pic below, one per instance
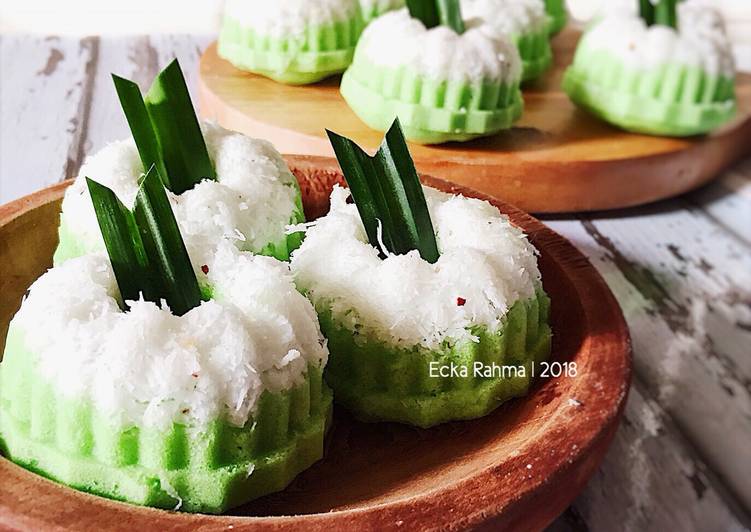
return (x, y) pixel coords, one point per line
(443, 85)
(251, 201)
(404, 327)
(372, 9)
(223, 186)
(524, 22)
(397, 326)
(655, 78)
(198, 410)
(556, 10)
(291, 41)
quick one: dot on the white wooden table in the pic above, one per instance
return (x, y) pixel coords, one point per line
(681, 270)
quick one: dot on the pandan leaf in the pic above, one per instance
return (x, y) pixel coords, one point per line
(131, 101)
(662, 12)
(426, 11)
(647, 11)
(451, 15)
(166, 129)
(665, 13)
(123, 242)
(359, 171)
(164, 245)
(434, 13)
(387, 190)
(398, 168)
(176, 126)
(145, 247)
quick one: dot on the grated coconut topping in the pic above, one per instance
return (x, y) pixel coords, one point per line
(250, 203)
(486, 265)
(396, 40)
(151, 368)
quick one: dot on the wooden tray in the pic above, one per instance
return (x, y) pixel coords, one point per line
(557, 158)
(517, 468)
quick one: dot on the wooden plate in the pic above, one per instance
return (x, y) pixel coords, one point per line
(557, 158)
(516, 468)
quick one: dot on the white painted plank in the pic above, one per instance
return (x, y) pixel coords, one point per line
(43, 103)
(128, 58)
(649, 480)
(683, 284)
(728, 200)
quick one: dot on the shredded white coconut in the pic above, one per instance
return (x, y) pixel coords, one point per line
(170, 490)
(397, 40)
(700, 39)
(250, 203)
(486, 263)
(289, 18)
(149, 367)
(507, 17)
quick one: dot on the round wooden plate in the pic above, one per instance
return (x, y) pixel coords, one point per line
(558, 158)
(517, 468)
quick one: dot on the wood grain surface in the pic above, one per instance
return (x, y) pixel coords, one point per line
(673, 463)
(517, 468)
(557, 158)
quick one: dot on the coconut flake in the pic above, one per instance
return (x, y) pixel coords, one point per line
(170, 490)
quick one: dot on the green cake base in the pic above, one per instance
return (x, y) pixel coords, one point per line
(535, 52)
(430, 112)
(318, 54)
(672, 100)
(378, 382)
(208, 470)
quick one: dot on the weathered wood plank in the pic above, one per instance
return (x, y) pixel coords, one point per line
(129, 58)
(728, 200)
(683, 283)
(650, 480)
(44, 106)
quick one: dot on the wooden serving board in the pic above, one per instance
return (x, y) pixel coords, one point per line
(517, 468)
(558, 158)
